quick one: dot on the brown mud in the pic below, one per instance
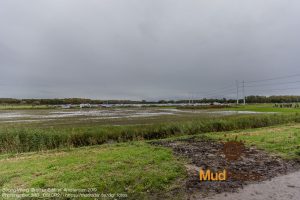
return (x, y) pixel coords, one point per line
(252, 166)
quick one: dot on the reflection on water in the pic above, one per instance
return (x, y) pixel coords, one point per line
(32, 115)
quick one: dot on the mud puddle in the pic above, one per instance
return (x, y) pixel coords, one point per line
(252, 166)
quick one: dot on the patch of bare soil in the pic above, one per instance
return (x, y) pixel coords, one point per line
(252, 166)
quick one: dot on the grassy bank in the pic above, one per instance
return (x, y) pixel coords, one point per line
(283, 140)
(36, 139)
(137, 169)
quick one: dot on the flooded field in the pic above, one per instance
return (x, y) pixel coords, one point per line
(23, 116)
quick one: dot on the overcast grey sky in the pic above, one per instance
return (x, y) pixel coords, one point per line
(146, 49)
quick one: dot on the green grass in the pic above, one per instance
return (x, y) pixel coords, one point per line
(22, 139)
(25, 107)
(283, 140)
(135, 168)
(138, 169)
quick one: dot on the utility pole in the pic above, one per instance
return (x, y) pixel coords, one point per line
(244, 92)
(237, 92)
(192, 98)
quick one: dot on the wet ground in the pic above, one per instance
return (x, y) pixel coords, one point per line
(31, 115)
(252, 166)
(39, 115)
(286, 187)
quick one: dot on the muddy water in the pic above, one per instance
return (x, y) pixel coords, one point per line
(38, 115)
(32, 115)
(253, 166)
(279, 188)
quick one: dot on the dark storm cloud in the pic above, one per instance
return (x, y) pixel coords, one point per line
(144, 49)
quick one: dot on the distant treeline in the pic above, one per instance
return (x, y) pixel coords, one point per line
(91, 101)
(249, 99)
(272, 99)
(62, 101)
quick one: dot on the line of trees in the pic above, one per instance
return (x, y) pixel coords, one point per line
(249, 99)
(65, 101)
(273, 99)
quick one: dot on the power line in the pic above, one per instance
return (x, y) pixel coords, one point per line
(215, 90)
(275, 78)
(244, 98)
(272, 84)
(237, 91)
(213, 93)
(229, 89)
(295, 88)
(226, 92)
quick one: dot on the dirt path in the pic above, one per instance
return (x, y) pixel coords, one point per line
(253, 166)
(285, 187)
